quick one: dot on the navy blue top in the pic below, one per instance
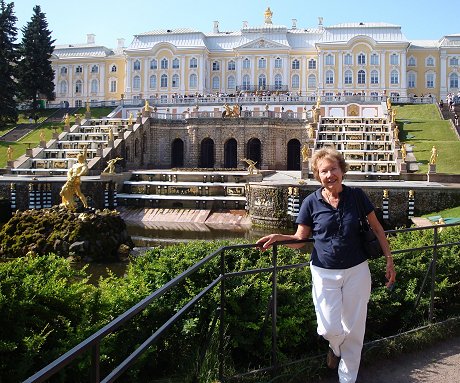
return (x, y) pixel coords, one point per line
(336, 231)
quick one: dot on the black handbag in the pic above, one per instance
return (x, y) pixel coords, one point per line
(369, 240)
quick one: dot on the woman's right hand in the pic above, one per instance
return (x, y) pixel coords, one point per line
(267, 241)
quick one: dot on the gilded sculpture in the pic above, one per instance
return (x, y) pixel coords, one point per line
(305, 152)
(72, 185)
(434, 155)
(403, 152)
(251, 165)
(110, 168)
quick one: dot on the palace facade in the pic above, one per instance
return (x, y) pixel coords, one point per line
(368, 59)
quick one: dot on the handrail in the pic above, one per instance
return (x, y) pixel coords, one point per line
(94, 340)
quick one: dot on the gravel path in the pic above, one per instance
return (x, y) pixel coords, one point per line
(439, 363)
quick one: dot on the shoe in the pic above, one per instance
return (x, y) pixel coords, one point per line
(332, 360)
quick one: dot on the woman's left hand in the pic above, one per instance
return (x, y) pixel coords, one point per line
(390, 272)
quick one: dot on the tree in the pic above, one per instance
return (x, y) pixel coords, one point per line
(35, 73)
(8, 62)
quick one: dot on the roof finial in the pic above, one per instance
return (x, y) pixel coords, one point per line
(268, 16)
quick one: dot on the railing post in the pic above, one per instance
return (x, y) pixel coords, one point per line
(274, 310)
(433, 273)
(95, 358)
(222, 317)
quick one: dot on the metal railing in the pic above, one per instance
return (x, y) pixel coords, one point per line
(92, 344)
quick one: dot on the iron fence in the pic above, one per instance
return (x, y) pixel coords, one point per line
(92, 343)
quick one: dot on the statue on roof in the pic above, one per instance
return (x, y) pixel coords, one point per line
(268, 16)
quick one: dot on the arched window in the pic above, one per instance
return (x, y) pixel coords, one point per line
(177, 153)
(63, 87)
(78, 86)
(262, 81)
(246, 63)
(374, 59)
(262, 63)
(453, 80)
(207, 153)
(137, 65)
(394, 59)
(329, 77)
(295, 64)
(215, 65)
(295, 82)
(411, 80)
(430, 61)
(175, 63)
(153, 82)
(348, 77)
(64, 70)
(231, 65)
(79, 69)
(153, 64)
(278, 63)
(348, 59)
(193, 63)
(164, 63)
(246, 82)
(94, 69)
(215, 82)
(193, 80)
(94, 86)
(311, 81)
(113, 69)
(361, 77)
(175, 81)
(137, 82)
(278, 82)
(394, 77)
(312, 64)
(329, 59)
(429, 80)
(374, 77)
(411, 61)
(453, 61)
(164, 81)
(361, 59)
(231, 84)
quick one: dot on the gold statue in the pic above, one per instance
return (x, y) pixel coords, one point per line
(111, 137)
(42, 135)
(67, 119)
(9, 153)
(268, 16)
(311, 132)
(393, 115)
(385, 193)
(411, 194)
(110, 168)
(305, 153)
(403, 152)
(251, 165)
(147, 106)
(130, 119)
(388, 103)
(396, 133)
(88, 110)
(434, 155)
(72, 185)
(318, 102)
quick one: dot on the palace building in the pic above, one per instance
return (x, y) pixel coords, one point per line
(365, 59)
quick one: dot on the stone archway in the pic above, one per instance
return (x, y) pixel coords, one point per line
(177, 153)
(293, 154)
(254, 151)
(207, 153)
(230, 154)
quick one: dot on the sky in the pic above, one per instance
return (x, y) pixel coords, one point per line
(70, 22)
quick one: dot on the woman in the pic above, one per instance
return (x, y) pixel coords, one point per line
(340, 273)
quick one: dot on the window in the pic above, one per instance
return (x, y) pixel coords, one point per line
(64, 70)
(94, 69)
(137, 82)
(164, 63)
(311, 81)
(295, 64)
(193, 63)
(347, 60)
(231, 83)
(153, 82)
(374, 96)
(175, 63)
(361, 77)
(262, 63)
(411, 80)
(374, 77)
(164, 81)
(348, 78)
(113, 86)
(79, 69)
(113, 69)
(94, 86)
(231, 65)
(175, 81)
(329, 77)
(295, 82)
(453, 80)
(137, 65)
(411, 61)
(394, 59)
(329, 59)
(278, 63)
(246, 63)
(278, 82)
(374, 59)
(430, 80)
(246, 82)
(312, 64)
(215, 65)
(262, 81)
(430, 61)
(193, 80)
(394, 77)
(215, 82)
(361, 61)
(63, 87)
(78, 86)
(154, 64)
(453, 61)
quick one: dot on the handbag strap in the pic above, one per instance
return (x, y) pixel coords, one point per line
(359, 203)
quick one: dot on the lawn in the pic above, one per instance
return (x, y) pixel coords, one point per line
(448, 213)
(422, 127)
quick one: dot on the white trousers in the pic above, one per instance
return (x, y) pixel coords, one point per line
(340, 298)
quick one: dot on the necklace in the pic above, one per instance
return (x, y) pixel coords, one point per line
(328, 198)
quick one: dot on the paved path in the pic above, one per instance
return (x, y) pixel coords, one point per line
(439, 363)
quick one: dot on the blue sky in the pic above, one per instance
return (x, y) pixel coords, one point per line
(70, 22)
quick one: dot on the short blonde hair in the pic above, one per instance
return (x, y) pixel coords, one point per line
(328, 153)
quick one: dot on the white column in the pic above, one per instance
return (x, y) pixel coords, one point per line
(102, 82)
(443, 76)
(383, 72)
(201, 74)
(182, 78)
(304, 76)
(71, 85)
(145, 83)
(403, 74)
(129, 64)
(238, 71)
(319, 84)
(286, 77)
(340, 73)
(85, 83)
(223, 77)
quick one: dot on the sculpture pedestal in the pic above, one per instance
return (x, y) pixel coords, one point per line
(304, 171)
(403, 167)
(431, 168)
